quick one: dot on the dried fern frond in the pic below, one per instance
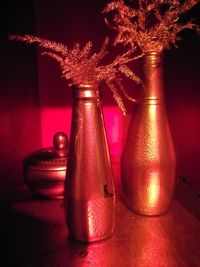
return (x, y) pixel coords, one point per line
(117, 4)
(86, 51)
(97, 57)
(129, 73)
(54, 56)
(57, 47)
(117, 97)
(80, 65)
(151, 25)
(111, 6)
(186, 6)
(121, 88)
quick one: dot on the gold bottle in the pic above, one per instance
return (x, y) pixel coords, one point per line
(148, 159)
(89, 196)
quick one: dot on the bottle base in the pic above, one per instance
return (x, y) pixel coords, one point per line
(149, 212)
(89, 240)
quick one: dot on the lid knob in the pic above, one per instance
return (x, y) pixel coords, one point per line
(60, 143)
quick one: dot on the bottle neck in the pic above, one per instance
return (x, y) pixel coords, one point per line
(85, 91)
(153, 76)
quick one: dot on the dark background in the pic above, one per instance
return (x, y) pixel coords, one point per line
(29, 82)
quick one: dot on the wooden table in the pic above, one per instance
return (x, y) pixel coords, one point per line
(33, 234)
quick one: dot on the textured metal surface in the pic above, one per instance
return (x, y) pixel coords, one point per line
(45, 169)
(90, 196)
(148, 160)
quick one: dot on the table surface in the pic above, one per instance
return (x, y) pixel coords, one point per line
(33, 234)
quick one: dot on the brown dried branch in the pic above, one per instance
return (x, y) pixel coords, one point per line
(152, 25)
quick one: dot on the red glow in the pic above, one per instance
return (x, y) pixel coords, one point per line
(154, 189)
(154, 177)
(154, 244)
(154, 132)
(114, 128)
(55, 119)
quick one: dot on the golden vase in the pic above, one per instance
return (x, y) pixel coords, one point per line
(89, 195)
(148, 159)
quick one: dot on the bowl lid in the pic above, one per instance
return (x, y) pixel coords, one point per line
(51, 158)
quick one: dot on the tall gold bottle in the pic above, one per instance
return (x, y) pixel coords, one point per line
(89, 196)
(148, 159)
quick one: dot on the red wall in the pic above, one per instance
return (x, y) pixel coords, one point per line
(182, 79)
(20, 130)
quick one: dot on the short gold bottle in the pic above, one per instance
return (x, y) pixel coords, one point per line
(89, 196)
(148, 159)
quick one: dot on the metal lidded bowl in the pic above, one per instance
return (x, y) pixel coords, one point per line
(45, 169)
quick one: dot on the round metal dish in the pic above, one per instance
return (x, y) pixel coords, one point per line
(45, 169)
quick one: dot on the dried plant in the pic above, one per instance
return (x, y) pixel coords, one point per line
(81, 66)
(151, 25)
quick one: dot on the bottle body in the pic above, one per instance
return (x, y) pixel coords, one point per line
(90, 199)
(148, 159)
